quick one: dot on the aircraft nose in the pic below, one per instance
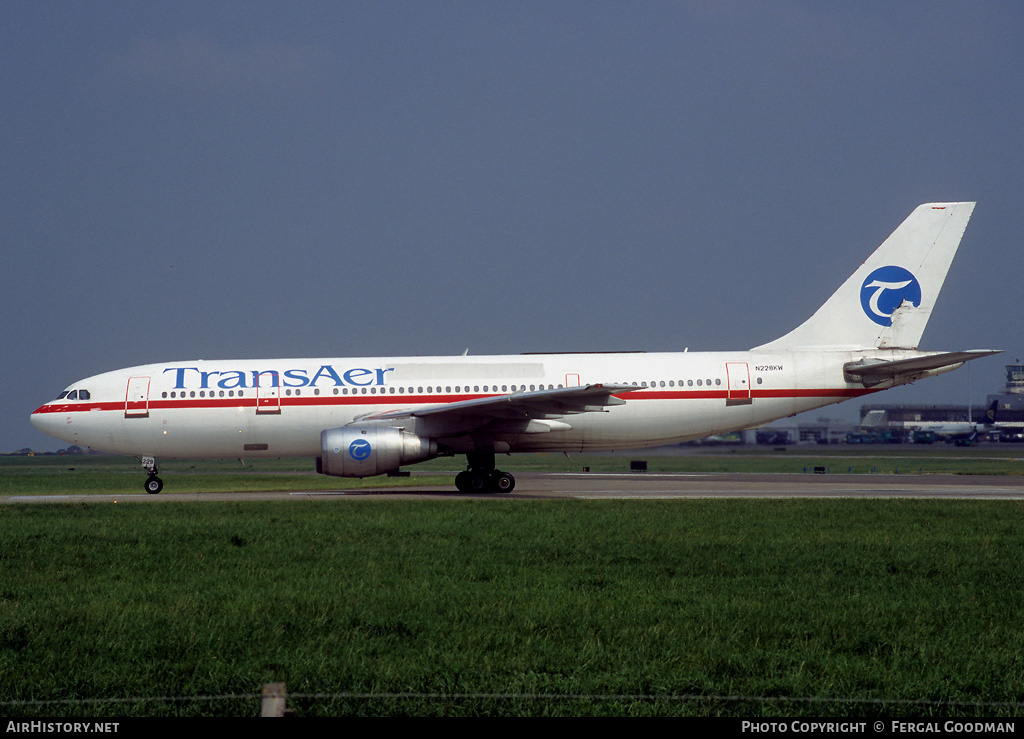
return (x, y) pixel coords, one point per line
(45, 420)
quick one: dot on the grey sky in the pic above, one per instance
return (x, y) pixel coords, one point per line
(186, 180)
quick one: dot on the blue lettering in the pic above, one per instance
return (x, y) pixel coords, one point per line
(353, 377)
(237, 375)
(275, 379)
(326, 371)
(230, 379)
(179, 382)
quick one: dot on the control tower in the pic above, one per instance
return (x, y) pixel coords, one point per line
(1012, 397)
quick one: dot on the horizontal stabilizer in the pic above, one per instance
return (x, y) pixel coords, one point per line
(871, 371)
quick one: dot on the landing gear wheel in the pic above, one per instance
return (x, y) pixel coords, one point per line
(154, 485)
(482, 477)
(479, 482)
(504, 482)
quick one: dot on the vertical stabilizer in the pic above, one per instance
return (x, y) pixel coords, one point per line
(888, 301)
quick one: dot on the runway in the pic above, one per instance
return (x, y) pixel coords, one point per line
(624, 486)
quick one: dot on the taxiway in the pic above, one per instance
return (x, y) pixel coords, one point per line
(641, 486)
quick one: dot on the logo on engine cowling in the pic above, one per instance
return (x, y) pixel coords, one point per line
(359, 449)
(884, 291)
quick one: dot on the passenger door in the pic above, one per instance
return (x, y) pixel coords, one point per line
(136, 401)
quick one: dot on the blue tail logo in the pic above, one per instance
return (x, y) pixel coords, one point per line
(885, 289)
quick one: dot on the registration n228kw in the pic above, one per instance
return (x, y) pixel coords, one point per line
(368, 416)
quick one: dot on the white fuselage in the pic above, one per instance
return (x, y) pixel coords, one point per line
(279, 407)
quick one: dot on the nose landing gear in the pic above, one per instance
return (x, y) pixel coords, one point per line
(153, 484)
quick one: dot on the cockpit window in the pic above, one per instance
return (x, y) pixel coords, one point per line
(73, 395)
(83, 395)
(62, 395)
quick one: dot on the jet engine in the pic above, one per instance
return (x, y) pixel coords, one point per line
(365, 451)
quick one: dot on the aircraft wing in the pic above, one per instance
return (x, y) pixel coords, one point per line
(528, 412)
(871, 372)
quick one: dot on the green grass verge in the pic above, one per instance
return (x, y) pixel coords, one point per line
(481, 601)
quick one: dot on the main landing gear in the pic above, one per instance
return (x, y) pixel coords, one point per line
(153, 483)
(482, 477)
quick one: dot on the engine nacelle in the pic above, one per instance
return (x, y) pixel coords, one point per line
(365, 451)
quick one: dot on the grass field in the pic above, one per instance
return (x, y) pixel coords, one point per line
(503, 607)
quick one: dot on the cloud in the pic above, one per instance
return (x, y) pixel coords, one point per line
(194, 61)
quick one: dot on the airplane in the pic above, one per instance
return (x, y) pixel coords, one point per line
(961, 431)
(361, 417)
(878, 420)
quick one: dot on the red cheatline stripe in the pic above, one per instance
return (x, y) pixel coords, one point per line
(409, 400)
